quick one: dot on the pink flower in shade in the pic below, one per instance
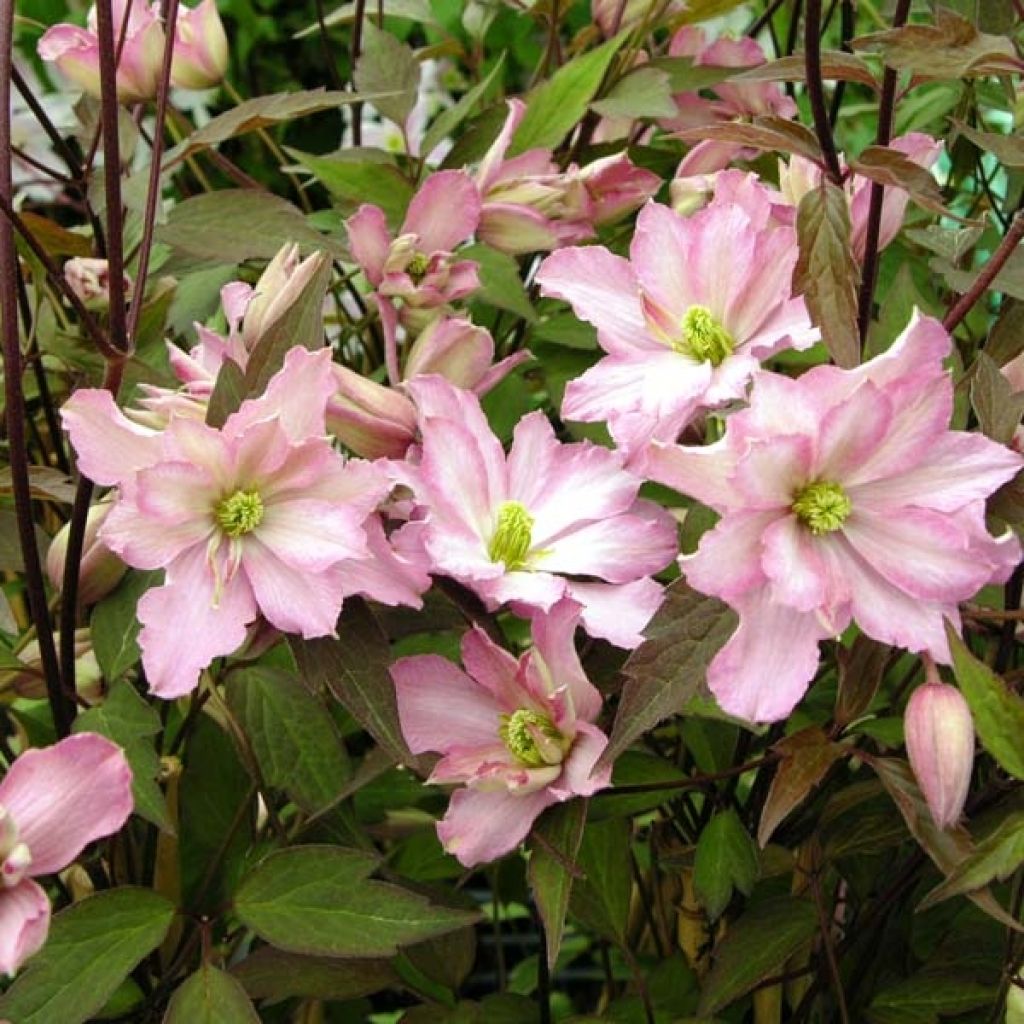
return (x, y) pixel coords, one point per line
(844, 496)
(53, 803)
(200, 47)
(513, 528)
(940, 745)
(685, 321)
(733, 100)
(375, 421)
(76, 51)
(518, 735)
(801, 175)
(259, 517)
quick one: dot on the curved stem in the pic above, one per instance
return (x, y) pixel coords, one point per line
(816, 91)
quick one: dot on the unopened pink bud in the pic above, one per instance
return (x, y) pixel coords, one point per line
(101, 569)
(89, 279)
(200, 47)
(370, 419)
(278, 289)
(940, 743)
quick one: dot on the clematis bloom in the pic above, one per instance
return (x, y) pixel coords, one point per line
(518, 530)
(76, 51)
(53, 803)
(685, 321)
(259, 517)
(519, 735)
(844, 496)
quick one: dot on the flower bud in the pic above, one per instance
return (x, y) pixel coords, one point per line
(30, 682)
(89, 279)
(369, 419)
(940, 744)
(616, 186)
(101, 569)
(277, 290)
(200, 47)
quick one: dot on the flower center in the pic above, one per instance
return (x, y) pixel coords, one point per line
(822, 506)
(418, 265)
(512, 536)
(532, 738)
(15, 857)
(703, 338)
(240, 513)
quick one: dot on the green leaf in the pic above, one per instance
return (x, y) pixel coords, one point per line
(451, 117)
(1007, 149)
(600, 898)
(726, 859)
(500, 283)
(387, 67)
(861, 670)
(301, 324)
(555, 842)
(998, 409)
(806, 759)
(925, 997)
(129, 721)
(210, 996)
(228, 393)
(997, 711)
(318, 900)
(826, 271)
(412, 10)
(353, 665)
(646, 92)
(354, 180)
(556, 106)
(272, 974)
(664, 672)
(756, 947)
(92, 947)
(768, 133)
(114, 626)
(995, 858)
(292, 735)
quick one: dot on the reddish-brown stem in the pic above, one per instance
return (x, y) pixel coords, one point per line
(357, 45)
(987, 275)
(883, 136)
(816, 91)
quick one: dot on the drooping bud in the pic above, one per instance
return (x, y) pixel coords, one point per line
(371, 420)
(30, 681)
(277, 290)
(89, 279)
(101, 569)
(200, 47)
(616, 186)
(940, 744)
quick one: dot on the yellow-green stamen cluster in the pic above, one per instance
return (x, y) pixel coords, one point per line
(532, 738)
(240, 513)
(512, 535)
(822, 506)
(418, 265)
(703, 338)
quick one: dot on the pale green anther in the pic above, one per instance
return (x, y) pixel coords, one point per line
(418, 265)
(822, 507)
(240, 513)
(703, 338)
(512, 535)
(532, 738)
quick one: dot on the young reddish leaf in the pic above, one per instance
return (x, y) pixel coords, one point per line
(769, 133)
(861, 670)
(835, 66)
(892, 168)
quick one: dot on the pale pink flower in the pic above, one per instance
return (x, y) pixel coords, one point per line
(519, 530)
(89, 279)
(76, 51)
(376, 421)
(940, 744)
(200, 47)
(685, 321)
(519, 736)
(259, 517)
(53, 803)
(800, 175)
(844, 496)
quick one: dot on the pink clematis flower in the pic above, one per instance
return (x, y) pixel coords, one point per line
(76, 51)
(685, 321)
(200, 47)
(801, 175)
(259, 517)
(519, 735)
(844, 496)
(53, 803)
(513, 529)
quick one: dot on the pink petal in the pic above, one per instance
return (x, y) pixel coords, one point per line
(555, 655)
(63, 797)
(493, 669)
(666, 263)
(24, 923)
(578, 778)
(704, 473)
(618, 613)
(384, 574)
(110, 448)
(440, 707)
(444, 212)
(146, 542)
(369, 240)
(793, 563)
(185, 607)
(482, 826)
(772, 472)
(602, 289)
(727, 563)
(311, 535)
(525, 590)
